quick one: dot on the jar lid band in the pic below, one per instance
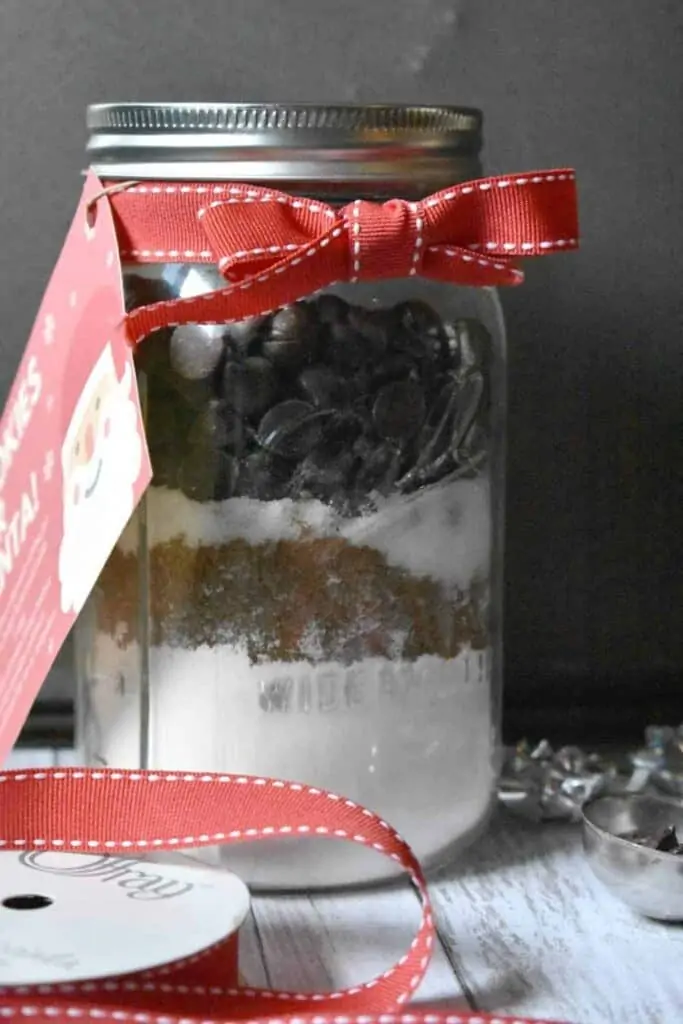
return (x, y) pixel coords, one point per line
(286, 142)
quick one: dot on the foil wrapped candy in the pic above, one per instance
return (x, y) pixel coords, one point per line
(662, 757)
(543, 784)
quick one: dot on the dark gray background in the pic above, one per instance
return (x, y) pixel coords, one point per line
(596, 446)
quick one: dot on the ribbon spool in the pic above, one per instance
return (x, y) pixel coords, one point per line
(69, 918)
(99, 814)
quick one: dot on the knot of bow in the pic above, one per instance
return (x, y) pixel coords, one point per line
(274, 248)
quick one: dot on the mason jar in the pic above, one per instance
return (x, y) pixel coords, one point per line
(310, 588)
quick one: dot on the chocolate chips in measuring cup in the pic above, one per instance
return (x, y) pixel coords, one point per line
(323, 400)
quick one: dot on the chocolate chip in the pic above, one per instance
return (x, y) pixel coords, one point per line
(244, 333)
(379, 469)
(218, 426)
(226, 479)
(207, 476)
(292, 336)
(666, 840)
(250, 386)
(341, 432)
(263, 476)
(331, 309)
(291, 322)
(320, 385)
(196, 350)
(346, 348)
(398, 366)
(361, 406)
(399, 410)
(420, 332)
(364, 446)
(418, 317)
(322, 475)
(375, 327)
(296, 443)
(291, 429)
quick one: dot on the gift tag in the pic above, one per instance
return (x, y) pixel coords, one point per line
(73, 460)
(74, 917)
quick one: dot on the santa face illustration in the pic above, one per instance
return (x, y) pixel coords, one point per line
(101, 462)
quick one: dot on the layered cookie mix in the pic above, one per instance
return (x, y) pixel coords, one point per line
(316, 572)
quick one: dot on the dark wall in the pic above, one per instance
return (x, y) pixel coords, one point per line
(596, 444)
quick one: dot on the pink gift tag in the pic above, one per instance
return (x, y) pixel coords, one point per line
(73, 458)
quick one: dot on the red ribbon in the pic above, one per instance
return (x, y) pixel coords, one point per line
(82, 810)
(274, 248)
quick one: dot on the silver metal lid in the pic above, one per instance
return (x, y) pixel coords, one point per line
(419, 147)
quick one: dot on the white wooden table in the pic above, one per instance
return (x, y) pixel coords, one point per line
(524, 929)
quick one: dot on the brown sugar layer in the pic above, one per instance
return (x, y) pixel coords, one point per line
(314, 599)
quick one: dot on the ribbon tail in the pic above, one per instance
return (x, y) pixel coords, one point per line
(450, 263)
(506, 217)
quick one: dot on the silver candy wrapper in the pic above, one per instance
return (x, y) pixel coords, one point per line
(662, 757)
(543, 784)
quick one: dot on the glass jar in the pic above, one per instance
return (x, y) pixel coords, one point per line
(310, 589)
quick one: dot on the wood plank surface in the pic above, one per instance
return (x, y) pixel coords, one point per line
(534, 933)
(326, 942)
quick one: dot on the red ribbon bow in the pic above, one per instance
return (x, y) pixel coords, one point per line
(274, 248)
